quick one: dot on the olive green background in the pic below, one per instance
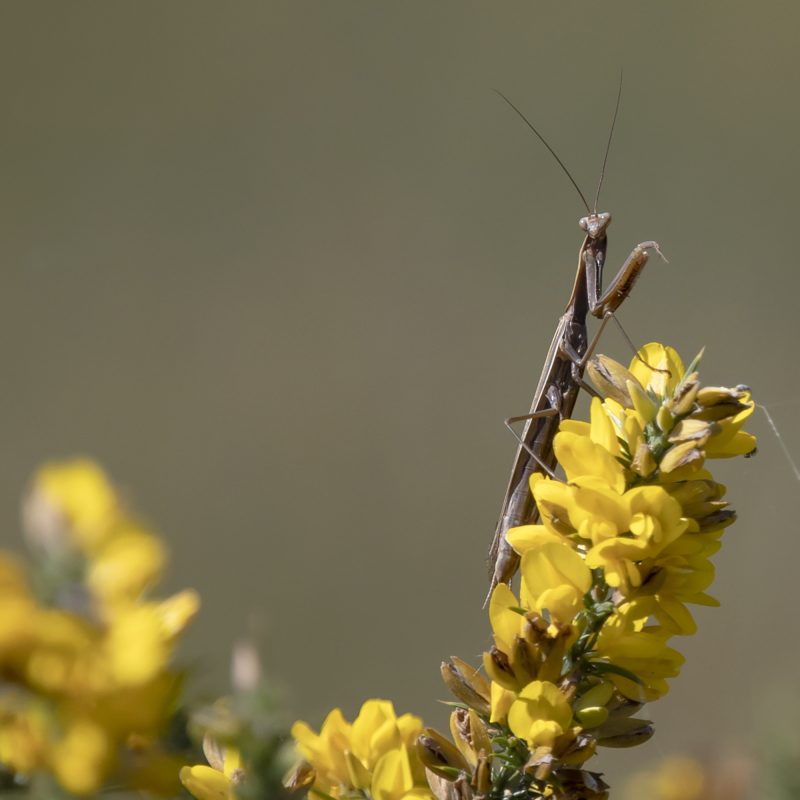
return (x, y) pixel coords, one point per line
(285, 267)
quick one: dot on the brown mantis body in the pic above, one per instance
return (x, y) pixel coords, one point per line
(562, 374)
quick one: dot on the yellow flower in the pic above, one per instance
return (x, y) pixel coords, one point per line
(80, 758)
(80, 495)
(540, 714)
(18, 608)
(653, 520)
(219, 780)
(629, 640)
(375, 753)
(587, 463)
(554, 579)
(24, 733)
(130, 562)
(502, 700)
(87, 674)
(658, 369)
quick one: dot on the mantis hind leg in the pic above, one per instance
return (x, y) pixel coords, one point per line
(554, 410)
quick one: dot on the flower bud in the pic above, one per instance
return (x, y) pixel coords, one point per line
(580, 784)
(592, 717)
(440, 755)
(470, 735)
(693, 430)
(683, 400)
(467, 684)
(499, 669)
(717, 520)
(448, 789)
(644, 405)
(300, 776)
(610, 379)
(664, 419)
(624, 732)
(680, 455)
(643, 462)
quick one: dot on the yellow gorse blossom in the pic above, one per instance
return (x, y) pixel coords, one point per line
(374, 755)
(86, 666)
(540, 714)
(623, 547)
(638, 505)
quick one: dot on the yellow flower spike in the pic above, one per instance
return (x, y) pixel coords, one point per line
(658, 368)
(581, 457)
(540, 714)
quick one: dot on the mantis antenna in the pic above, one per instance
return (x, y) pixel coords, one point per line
(608, 146)
(547, 145)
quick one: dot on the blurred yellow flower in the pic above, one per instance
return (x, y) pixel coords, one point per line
(79, 500)
(87, 668)
(219, 780)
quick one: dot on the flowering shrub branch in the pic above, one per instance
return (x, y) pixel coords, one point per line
(607, 578)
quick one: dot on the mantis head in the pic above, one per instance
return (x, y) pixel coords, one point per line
(595, 224)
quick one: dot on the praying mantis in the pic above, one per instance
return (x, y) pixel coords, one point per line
(562, 375)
